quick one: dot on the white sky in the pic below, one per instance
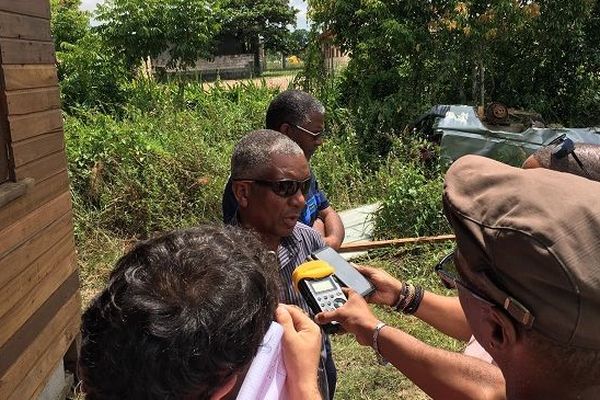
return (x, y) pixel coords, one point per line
(90, 5)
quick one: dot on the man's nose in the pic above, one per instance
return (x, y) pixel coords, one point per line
(298, 199)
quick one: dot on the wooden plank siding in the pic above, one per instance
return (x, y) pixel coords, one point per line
(17, 26)
(18, 77)
(37, 148)
(33, 8)
(40, 305)
(16, 51)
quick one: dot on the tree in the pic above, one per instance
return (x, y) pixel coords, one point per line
(297, 42)
(259, 21)
(68, 23)
(139, 29)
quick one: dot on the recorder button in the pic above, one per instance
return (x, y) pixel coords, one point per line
(339, 302)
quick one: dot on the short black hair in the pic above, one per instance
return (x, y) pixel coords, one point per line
(293, 107)
(254, 153)
(181, 314)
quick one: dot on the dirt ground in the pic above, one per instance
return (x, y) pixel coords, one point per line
(280, 82)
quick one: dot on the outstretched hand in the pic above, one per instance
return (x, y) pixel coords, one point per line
(387, 288)
(355, 317)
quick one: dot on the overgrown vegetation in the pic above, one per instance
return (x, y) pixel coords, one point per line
(406, 56)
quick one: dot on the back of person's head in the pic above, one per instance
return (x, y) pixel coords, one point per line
(181, 315)
(530, 243)
(253, 154)
(588, 155)
(293, 107)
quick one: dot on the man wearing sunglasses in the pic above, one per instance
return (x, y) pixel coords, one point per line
(270, 181)
(528, 280)
(301, 117)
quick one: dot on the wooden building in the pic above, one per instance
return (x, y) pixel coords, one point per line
(333, 57)
(39, 285)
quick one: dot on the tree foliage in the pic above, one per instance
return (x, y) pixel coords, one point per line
(68, 23)
(296, 42)
(139, 29)
(254, 21)
(407, 55)
(90, 74)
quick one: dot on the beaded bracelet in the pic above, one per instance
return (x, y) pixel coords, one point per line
(408, 297)
(413, 306)
(401, 296)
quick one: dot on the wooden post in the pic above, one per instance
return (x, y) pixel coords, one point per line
(364, 245)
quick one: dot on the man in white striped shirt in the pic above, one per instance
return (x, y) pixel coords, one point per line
(270, 178)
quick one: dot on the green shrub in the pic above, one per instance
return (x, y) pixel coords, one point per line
(91, 76)
(412, 202)
(164, 162)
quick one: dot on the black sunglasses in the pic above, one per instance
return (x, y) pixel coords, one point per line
(448, 273)
(563, 146)
(283, 188)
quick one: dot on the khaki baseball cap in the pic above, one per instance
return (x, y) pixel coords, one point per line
(531, 239)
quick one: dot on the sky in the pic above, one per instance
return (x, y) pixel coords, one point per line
(90, 5)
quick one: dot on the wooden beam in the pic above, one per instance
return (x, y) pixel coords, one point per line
(10, 191)
(14, 349)
(364, 245)
(15, 262)
(42, 168)
(41, 193)
(29, 101)
(16, 26)
(36, 148)
(13, 51)
(25, 228)
(22, 311)
(23, 127)
(50, 342)
(35, 8)
(44, 367)
(18, 77)
(34, 273)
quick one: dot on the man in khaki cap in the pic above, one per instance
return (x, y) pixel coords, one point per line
(527, 269)
(528, 262)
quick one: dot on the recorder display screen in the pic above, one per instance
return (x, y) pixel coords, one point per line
(322, 286)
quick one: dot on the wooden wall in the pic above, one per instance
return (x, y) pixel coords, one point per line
(39, 285)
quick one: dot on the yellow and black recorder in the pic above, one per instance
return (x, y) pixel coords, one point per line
(317, 283)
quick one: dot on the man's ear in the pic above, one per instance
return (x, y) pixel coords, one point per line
(241, 191)
(503, 333)
(285, 128)
(224, 390)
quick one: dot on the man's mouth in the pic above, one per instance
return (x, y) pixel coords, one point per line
(291, 219)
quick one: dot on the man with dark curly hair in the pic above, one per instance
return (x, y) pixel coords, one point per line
(183, 316)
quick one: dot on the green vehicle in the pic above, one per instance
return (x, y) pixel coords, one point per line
(459, 131)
